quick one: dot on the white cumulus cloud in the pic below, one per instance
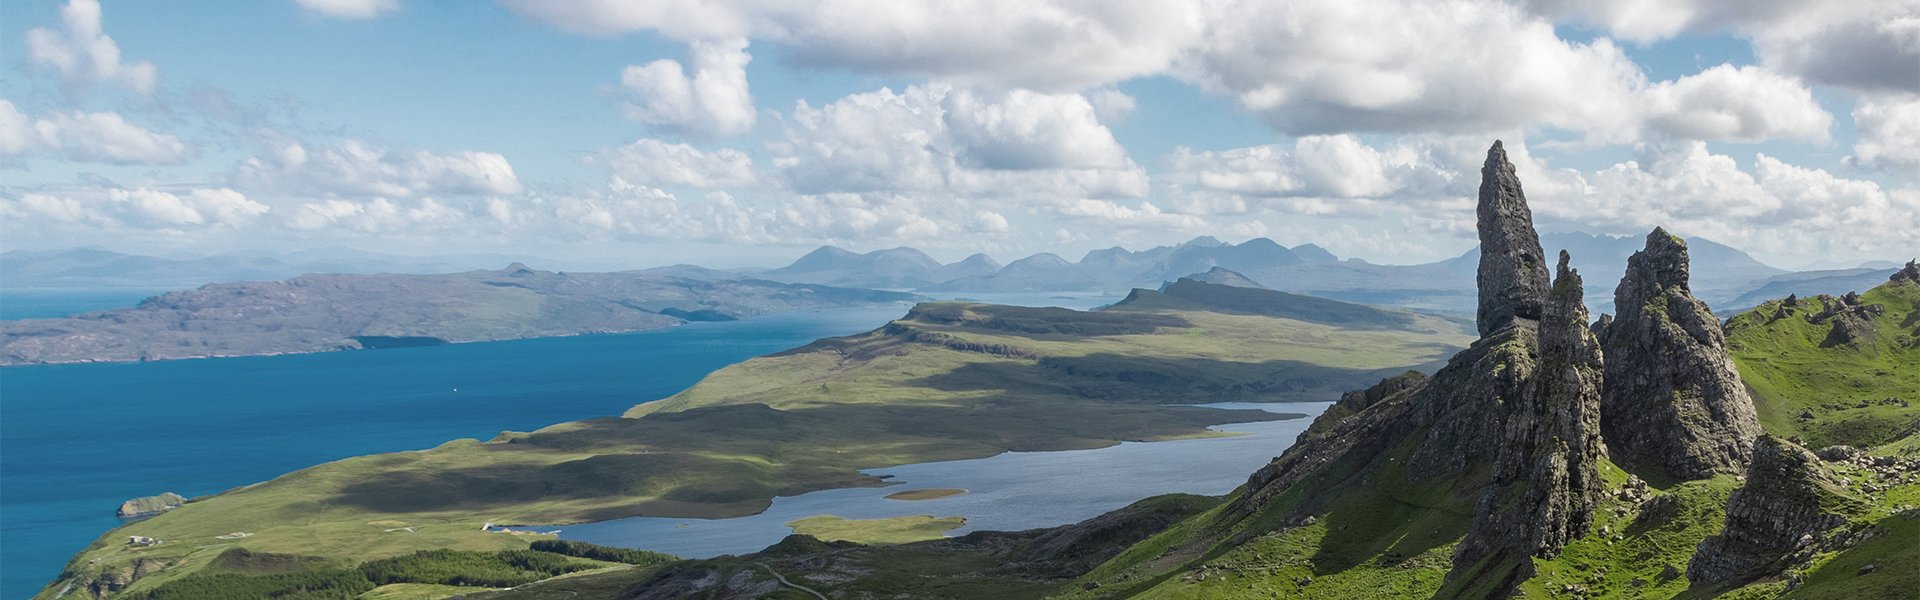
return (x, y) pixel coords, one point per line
(135, 208)
(707, 97)
(350, 9)
(81, 52)
(353, 169)
(1889, 130)
(654, 162)
(1737, 103)
(1047, 45)
(938, 139)
(101, 137)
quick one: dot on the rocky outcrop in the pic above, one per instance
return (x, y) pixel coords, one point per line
(1909, 274)
(1545, 480)
(1786, 506)
(1673, 406)
(1513, 270)
(150, 505)
(1351, 403)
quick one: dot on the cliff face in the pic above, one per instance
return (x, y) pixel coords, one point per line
(1513, 270)
(1673, 405)
(1545, 479)
(1785, 506)
(1525, 418)
(1513, 420)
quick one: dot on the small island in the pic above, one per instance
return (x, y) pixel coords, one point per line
(892, 530)
(149, 505)
(925, 494)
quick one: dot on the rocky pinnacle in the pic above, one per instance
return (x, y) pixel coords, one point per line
(1673, 405)
(1513, 270)
(1546, 478)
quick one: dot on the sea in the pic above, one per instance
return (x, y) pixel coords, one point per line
(77, 440)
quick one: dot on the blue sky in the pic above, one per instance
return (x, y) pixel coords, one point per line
(741, 132)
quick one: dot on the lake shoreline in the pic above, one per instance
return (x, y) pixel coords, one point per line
(1212, 465)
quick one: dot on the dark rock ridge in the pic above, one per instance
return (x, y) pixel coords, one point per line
(1513, 270)
(1223, 276)
(1786, 506)
(1908, 274)
(1194, 294)
(1673, 406)
(1546, 480)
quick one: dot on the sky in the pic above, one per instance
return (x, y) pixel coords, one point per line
(746, 132)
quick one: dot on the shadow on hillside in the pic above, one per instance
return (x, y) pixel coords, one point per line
(1158, 380)
(744, 455)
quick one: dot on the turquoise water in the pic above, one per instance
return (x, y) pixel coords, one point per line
(76, 440)
(20, 303)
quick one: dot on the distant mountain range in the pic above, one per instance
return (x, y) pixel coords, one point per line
(897, 268)
(1730, 278)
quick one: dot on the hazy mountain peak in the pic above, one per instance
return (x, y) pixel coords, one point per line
(1205, 241)
(978, 258)
(1314, 253)
(1043, 259)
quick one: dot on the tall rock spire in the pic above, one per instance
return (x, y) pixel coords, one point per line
(1513, 270)
(1546, 480)
(1673, 404)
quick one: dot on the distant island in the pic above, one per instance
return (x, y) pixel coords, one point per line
(321, 313)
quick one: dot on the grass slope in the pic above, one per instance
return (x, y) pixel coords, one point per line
(950, 381)
(877, 532)
(1388, 536)
(1826, 393)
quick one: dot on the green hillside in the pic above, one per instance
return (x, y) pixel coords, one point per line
(949, 381)
(1830, 371)
(1382, 524)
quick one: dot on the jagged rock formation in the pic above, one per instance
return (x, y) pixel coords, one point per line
(1908, 274)
(1852, 321)
(1785, 507)
(1545, 480)
(1523, 399)
(1353, 402)
(1673, 405)
(1513, 270)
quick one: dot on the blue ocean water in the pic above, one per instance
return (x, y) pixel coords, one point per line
(76, 440)
(34, 303)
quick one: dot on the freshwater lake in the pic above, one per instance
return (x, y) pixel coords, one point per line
(1008, 492)
(76, 440)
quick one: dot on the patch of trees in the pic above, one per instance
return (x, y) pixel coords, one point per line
(329, 584)
(606, 553)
